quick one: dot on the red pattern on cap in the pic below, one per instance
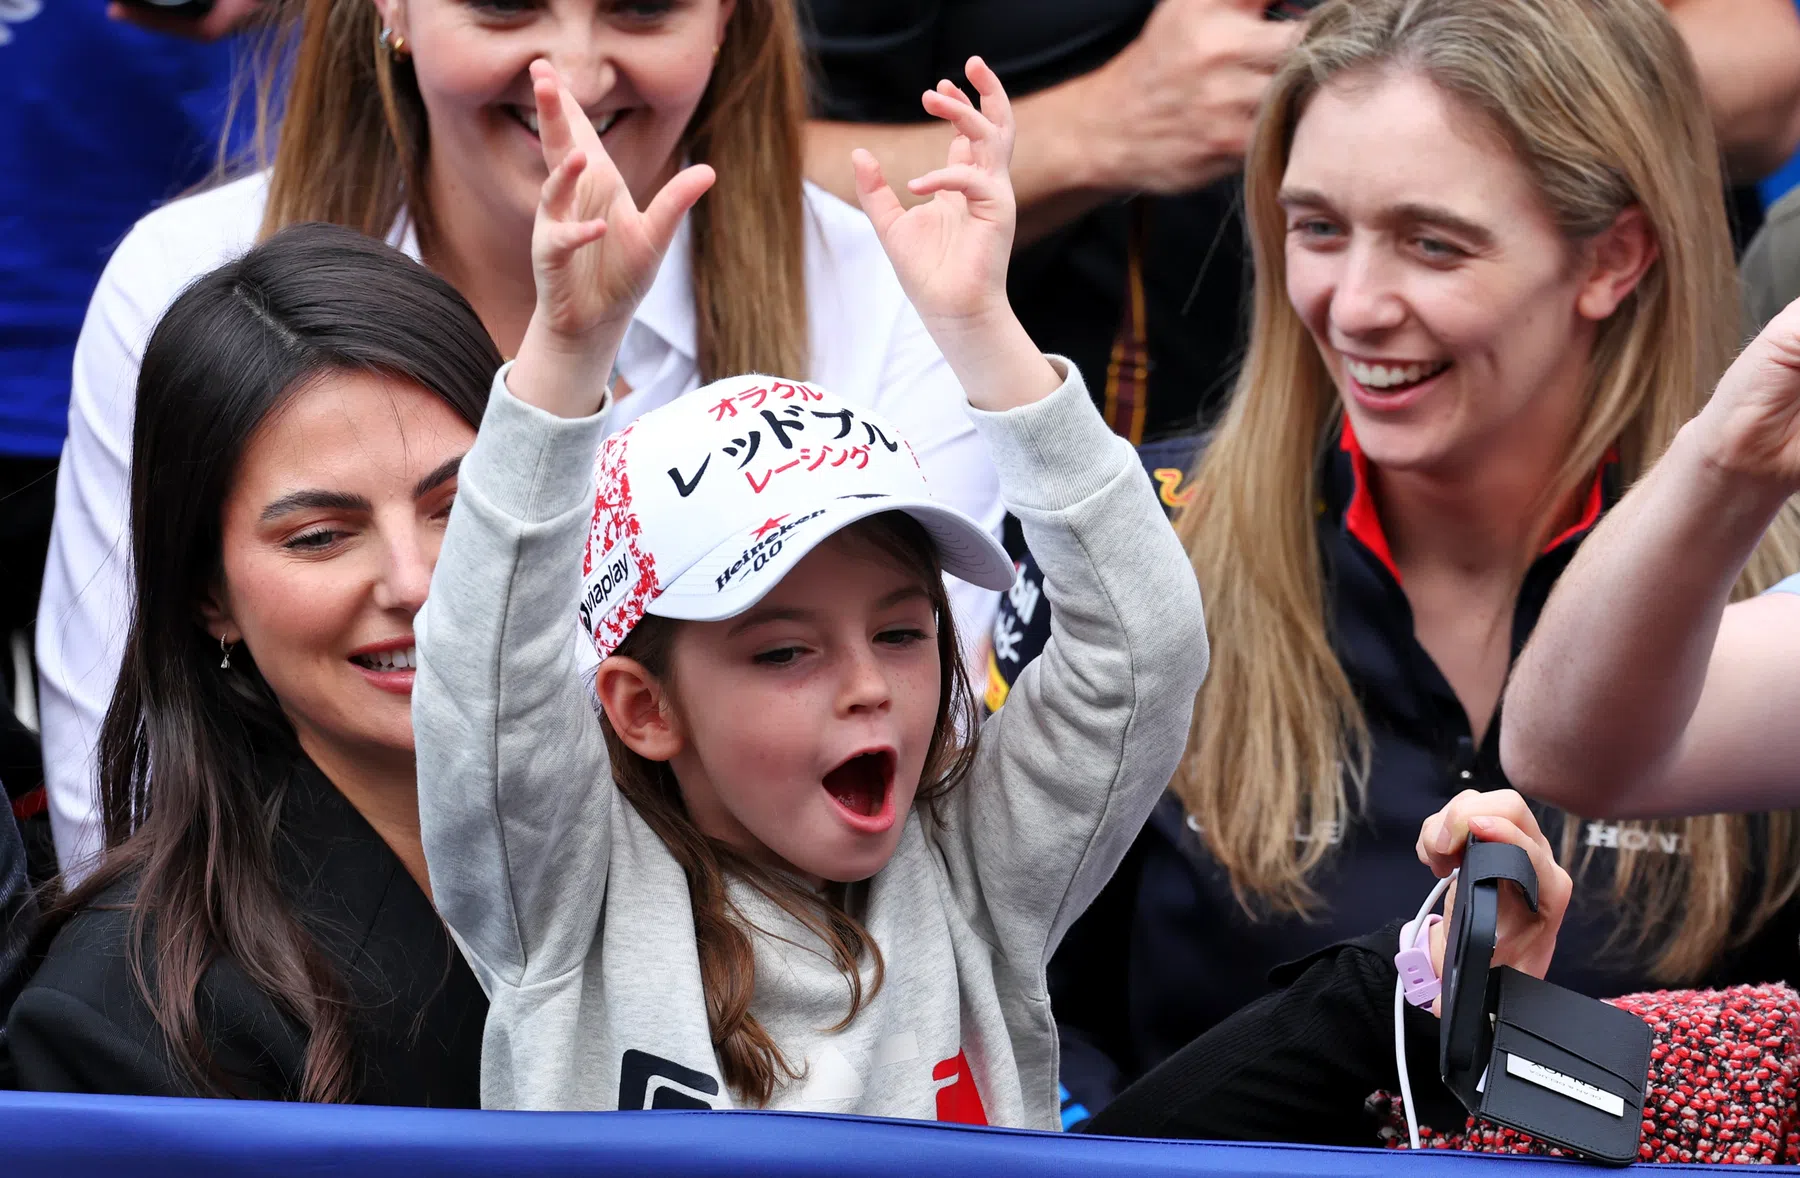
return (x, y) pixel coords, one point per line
(613, 520)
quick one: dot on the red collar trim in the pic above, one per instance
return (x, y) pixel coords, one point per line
(1360, 517)
(1596, 502)
(1363, 522)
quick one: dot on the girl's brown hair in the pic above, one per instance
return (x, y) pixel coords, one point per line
(351, 147)
(1601, 105)
(750, 1058)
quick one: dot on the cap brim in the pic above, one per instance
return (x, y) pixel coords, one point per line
(966, 549)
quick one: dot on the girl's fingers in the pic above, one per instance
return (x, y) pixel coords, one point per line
(554, 132)
(969, 122)
(872, 192)
(568, 236)
(670, 205)
(953, 92)
(995, 105)
(971, 180)
(558, 196)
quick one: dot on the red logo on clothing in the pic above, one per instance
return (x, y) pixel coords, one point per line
(957, 1098)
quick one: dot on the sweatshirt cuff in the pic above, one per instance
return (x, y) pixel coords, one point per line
(530, 464)
(1053, 453)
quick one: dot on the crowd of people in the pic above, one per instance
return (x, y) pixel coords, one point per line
(963, 561)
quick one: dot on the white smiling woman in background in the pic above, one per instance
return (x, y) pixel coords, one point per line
(407, 120)
(1493, 279)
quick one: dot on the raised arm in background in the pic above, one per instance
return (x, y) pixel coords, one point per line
(1642, 691)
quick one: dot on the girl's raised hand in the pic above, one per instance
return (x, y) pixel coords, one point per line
(594, 255)
(1526, 940)
(951, 252)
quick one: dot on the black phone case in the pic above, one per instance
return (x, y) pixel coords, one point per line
(1466, 1035)
(1524, 1053)
(1563, 1036)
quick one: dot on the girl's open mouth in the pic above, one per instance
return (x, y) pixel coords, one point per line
(863, 788)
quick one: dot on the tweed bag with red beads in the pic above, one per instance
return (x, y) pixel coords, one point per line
(1723, 1076)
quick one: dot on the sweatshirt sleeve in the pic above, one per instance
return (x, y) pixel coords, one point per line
(1069, 770)
(515, 789)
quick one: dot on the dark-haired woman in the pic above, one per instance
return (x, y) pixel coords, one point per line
(262, 926)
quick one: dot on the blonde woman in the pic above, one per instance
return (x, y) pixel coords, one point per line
(412, 120)
(1492, 281)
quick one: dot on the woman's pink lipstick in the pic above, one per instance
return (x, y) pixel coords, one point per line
(368, 662)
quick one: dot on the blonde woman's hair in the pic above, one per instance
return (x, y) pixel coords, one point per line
(1602, 106)
(345, 127)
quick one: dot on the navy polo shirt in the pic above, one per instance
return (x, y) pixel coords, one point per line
(1166, 951)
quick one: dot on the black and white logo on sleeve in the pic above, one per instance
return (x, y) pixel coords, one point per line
(650, 1081)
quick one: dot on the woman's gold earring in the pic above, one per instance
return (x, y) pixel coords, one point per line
(716, 50)
(393, 42)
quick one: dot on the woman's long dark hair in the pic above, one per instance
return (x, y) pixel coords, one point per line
(194, 760)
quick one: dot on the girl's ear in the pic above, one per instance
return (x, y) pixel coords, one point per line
(638, 708)
(1621, 254)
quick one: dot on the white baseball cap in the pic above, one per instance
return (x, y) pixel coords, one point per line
(703, 505)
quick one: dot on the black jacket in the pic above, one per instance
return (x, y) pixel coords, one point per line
(1298, 1064)
(81, 1025)
(18, 916)
(1166, 953)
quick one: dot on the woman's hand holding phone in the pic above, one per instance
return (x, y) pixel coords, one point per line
(1527, 939)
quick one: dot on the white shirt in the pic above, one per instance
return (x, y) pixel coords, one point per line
(867, 345)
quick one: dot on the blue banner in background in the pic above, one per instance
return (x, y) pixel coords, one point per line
(1788, 177)
(1781, 182)
(47, 1135)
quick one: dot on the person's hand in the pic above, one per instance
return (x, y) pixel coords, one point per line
(1179, 101)
(1526, 940)
(594, 254)
(951, 252)
(1750, 429)
(226, 18)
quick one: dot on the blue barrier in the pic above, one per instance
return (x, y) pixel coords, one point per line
(47, 1135)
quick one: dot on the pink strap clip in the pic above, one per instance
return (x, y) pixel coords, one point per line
(1418, 979)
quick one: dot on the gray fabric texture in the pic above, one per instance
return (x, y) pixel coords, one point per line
(577, 920)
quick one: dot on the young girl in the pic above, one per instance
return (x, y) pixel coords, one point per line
(770, 877)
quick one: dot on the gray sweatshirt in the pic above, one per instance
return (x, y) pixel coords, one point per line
(577, 920)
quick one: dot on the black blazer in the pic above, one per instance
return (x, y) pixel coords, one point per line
(81, 1024)
(17, 916)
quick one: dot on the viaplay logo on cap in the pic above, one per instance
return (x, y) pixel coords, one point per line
(619, 582)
